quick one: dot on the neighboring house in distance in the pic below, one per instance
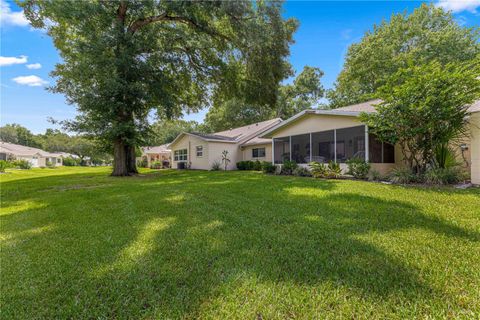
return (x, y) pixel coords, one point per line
(37, 157)
(338, 135)
(201, 151)
(86, 160)
(159, 153)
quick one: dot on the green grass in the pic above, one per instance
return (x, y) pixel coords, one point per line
(76, 243)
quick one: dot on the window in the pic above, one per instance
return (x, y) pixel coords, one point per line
(281, 148)
(350, 143)
(258, 152)
(379, 152)
(323, 146)
(59, 160)
(180, 155)
(199, 150)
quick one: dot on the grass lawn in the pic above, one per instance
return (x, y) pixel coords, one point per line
(76, 243)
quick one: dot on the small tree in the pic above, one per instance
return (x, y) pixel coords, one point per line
(423, 107)
(225, 159)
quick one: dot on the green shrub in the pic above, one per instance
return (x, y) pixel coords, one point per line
(444, 176)
(49, 164)
(268, 167)
(333, 170)
(374, 175)
(22, 164)
(4, 165)
(404, 175)
(244, 165)
(288, 167)
(70, 162)
(257, 166)
(317, 169)
(143, 163)
(216, 166)
(156, 165)
(444, 156)
(302, 172)
(358, 168)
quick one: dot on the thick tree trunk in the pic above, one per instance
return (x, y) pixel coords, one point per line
(131, 160)
(119, 159)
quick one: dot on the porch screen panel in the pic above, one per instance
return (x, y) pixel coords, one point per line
(281, 148)
(323, 145)
(350, 143)
(374, 149)
(301, 148)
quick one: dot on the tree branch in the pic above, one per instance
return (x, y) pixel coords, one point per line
(165, 17)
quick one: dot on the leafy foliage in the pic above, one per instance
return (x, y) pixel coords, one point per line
(305, 92)
(318, 170)
(216, 166)
(425, 106)
(288, 167)
(358, 168)
(171, 57)
(4, 165)
(225, 159)
(429, 33)
(17, 134)
(22, 164)
(165, 131)
(301, 172)
(333, 170)
(71, 162)
(268, 167)
(444, 176)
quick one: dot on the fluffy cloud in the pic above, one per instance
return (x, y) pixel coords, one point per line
(8, 61)
(459, 5)
(31, 81)
(9, 17)
(34, 66)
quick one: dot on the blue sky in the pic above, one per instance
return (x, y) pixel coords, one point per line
(326, 30)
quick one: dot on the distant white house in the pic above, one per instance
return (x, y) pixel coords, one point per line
(157, 153)
(37, 157)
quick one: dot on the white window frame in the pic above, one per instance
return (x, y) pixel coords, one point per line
(264, 153)
(199, 151)
(180, 155)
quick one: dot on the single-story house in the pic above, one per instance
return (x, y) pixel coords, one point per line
(158, 153)
(202, 151)
(338, 135)
(37, 157)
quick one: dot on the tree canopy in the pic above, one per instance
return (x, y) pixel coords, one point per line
(428, 34)
(123, 59)
(304, 92)
(424, 107)
(165, 131)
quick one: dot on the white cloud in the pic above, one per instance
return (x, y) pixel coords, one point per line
(31, 81)
(34, 66)
(459, 5)
(9, 17)
(8, 61)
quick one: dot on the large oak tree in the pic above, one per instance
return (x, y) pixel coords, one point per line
(428, 34)
(122, 59)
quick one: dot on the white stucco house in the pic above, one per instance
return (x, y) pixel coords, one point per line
(37, 157)
(201, 151)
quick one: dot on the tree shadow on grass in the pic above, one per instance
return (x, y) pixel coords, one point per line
(167, 249)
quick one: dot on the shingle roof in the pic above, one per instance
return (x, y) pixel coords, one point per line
(475, 107)
(235, 135)
(156, 149)
(368, 106)
(20, 150)
(257, 141)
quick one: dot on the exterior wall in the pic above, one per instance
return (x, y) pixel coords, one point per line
(315, 123)
(247, 152)
(190, 142)
(475, 147)
(215, 150)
